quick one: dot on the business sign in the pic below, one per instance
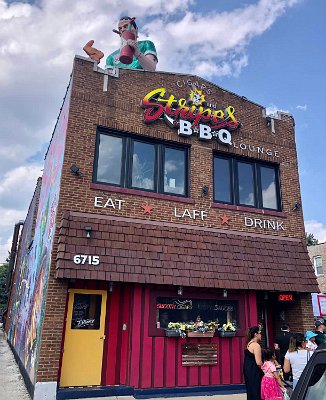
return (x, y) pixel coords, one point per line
(191, 116)
(285, 297)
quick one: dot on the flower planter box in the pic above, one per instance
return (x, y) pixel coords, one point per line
(172, 333)
(227, 334)
(200, 334)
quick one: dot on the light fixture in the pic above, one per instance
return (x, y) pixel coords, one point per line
(204, 191)
(296, 207)
(74, 169)
(88, 230)
(180, 290)
(225, 293)
(110, 287)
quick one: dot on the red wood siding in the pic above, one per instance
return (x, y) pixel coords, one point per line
(134, 358)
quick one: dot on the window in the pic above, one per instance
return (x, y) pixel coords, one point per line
(247, 183)
(317, 384)
(170, 309)
(141, 164)
(86, 311)
(318, 265)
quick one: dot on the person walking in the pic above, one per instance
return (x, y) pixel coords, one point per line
(296, 357)
(252, 363)
(281, 343)
(320, 329)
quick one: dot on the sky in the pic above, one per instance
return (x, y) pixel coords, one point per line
(271, 51)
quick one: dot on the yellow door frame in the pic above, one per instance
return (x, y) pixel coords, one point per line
(83, 348)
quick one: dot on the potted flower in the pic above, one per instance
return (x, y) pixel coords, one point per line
(227, 330)
(175, 329)
(201, 329)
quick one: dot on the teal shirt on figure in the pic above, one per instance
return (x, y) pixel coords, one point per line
(145, 47)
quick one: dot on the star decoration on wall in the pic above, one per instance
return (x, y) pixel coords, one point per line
(225, 219)
(147, 209)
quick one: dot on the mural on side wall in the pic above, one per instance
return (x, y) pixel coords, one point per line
(28, 305)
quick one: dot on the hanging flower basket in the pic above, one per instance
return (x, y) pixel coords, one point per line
(172, 333)
(227, 334)
(199, 334)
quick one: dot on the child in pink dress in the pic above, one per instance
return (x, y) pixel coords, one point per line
(271, 383)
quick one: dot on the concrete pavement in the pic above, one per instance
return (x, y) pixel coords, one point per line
(12, 386)
(11, 382)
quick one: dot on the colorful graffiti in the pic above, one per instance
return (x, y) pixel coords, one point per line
(33, 264)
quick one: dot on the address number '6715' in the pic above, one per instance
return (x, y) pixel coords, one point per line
(85, 259)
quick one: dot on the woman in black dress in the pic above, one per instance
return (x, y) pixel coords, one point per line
(252, 363)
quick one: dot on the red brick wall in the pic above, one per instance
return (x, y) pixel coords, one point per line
(119, 108)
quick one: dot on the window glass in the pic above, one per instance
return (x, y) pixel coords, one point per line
(246, 184)
(86, 311)
(170, 309)
(318, 264)
(222, 183)
(174, 171)
(268, 187)
(317, 383)
(109, 159)
(143, 165)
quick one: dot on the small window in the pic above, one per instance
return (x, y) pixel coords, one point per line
(247, 183)
(86, 311)
(174, 171)
(169, 309)
(109, 159)
(222, 180)
(318, 265)
(143, 160)
(141, 164)
(268, 187)
(246, 187)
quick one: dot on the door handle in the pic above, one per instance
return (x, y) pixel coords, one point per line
(102, 337)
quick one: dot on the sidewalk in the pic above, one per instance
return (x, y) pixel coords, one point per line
(11, 382)
(12, 386)
(241, 396)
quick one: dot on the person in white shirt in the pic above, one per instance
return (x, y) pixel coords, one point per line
(296, 357)
(310, 338)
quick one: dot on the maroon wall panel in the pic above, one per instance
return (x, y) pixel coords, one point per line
(134, 358)
(146, 345)
(112, 336)
(135, 339)
(126, 319)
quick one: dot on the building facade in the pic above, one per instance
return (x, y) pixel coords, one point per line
(164, 198)
(317, 254)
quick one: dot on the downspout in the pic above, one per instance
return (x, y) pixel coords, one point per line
(13, 254)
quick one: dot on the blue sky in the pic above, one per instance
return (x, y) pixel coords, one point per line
(270, 51)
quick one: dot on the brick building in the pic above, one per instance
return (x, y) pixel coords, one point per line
(317, 256)
(163, 197)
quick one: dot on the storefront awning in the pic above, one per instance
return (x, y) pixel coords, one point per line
(145, 251)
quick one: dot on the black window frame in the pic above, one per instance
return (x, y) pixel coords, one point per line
(128, 140)
(234, 181)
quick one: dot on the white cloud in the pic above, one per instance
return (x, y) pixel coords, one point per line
(302, 108)
(317, 229)
(39, 40)
(17, 187)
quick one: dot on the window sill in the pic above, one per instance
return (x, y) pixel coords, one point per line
(249, 209)
(136, 192)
